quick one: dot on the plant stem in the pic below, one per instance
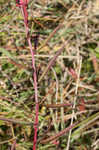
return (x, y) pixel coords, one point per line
(34, 78)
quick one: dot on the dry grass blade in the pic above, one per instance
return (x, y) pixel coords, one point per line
(52, 61)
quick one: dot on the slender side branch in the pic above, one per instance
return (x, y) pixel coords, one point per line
(61, 133)
(53, 60)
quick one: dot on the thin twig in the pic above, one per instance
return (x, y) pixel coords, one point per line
(52, 61)
(57, 135)
(51, 35)
(15, 121)
(57, 87)
(57, 105)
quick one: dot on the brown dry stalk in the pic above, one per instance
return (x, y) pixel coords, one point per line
(57, 105)
(16, 121)
(52, 61)
(95, 64)
(57, 135)
(51, 35)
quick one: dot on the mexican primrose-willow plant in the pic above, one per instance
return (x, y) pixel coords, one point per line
(22, 4)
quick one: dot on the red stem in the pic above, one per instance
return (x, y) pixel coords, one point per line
(25, 15)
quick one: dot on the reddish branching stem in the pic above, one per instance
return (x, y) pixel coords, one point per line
(23, 5)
